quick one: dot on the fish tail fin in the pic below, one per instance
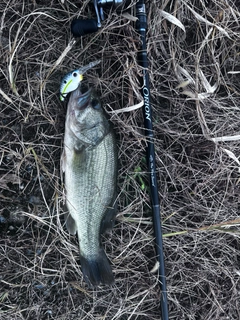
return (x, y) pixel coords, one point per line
(97, 270)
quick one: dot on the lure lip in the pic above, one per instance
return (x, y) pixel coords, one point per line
(85, 68)
(68, 78)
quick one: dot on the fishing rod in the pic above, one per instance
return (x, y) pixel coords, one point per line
(81, 27)
(141, 27)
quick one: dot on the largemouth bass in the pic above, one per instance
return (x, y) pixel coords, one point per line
(89, 163)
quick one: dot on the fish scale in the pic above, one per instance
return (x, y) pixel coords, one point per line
(85, 178)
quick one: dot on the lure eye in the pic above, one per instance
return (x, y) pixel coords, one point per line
(74, 74)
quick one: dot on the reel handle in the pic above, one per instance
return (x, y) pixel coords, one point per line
(81, 27)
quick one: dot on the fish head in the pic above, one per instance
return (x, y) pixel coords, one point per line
(86, 118)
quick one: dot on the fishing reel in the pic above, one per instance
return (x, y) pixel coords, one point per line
(81, 27)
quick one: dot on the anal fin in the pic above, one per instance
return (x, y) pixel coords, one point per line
(108, 220)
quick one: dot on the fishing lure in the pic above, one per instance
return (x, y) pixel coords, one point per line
(71, 81)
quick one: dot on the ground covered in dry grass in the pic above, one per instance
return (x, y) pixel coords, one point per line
(193, 49)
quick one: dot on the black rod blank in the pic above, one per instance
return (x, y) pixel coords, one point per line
(141, 26)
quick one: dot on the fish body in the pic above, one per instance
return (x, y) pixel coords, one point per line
(89, 163)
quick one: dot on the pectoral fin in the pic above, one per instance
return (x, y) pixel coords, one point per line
(108, 220)
(70, 224)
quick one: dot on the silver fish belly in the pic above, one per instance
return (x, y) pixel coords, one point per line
(89, 163)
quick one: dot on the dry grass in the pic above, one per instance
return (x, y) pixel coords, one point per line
(193, 49)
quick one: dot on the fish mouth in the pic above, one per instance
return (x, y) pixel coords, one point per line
(83, 99)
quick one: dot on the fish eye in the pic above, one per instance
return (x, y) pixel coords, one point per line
(74, 74)
(65, 81)
(96, 104)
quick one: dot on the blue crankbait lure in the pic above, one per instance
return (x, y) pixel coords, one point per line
(72, 80)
